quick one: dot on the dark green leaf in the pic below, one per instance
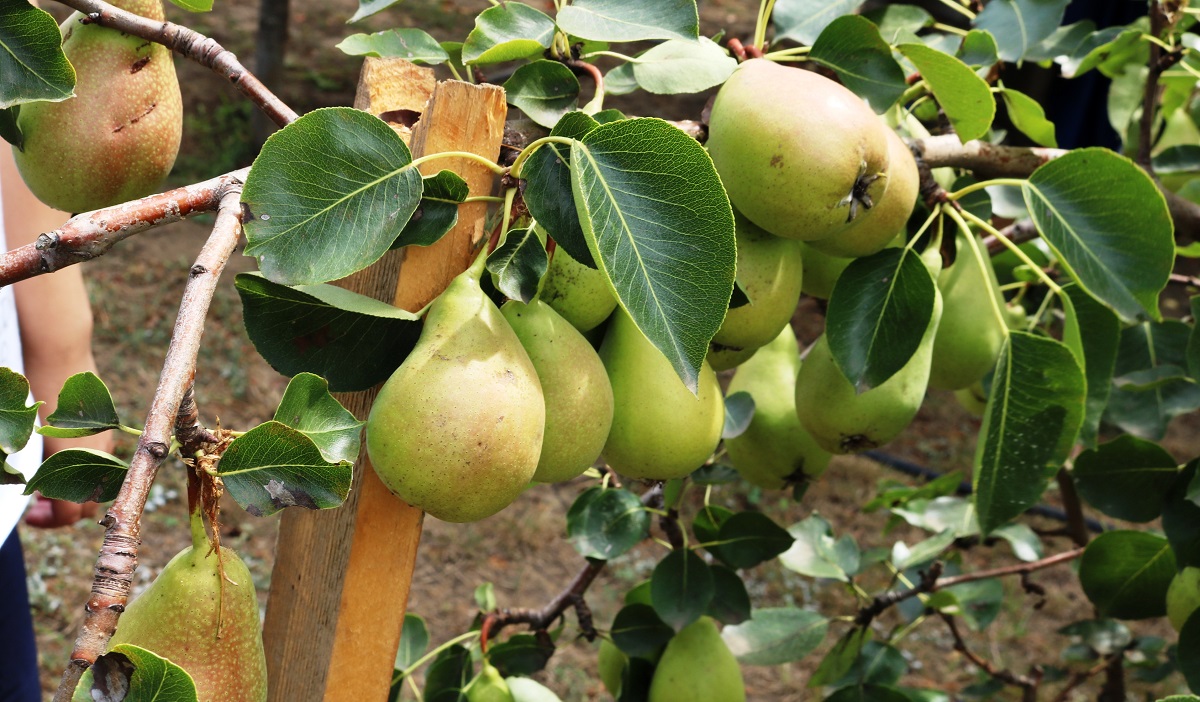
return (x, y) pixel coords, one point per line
(749, 538)
(84, 408)
(776, 635)
(1062, 42)
(730, 603)
(978, 50)
(9, 130)
(1096, 351)
(407, 43)
(681, 588)
(366, 8)
(868, 693)
(438, 211)
(840, 658)
(1110, 49)
(543, 90)
(414, 641)
(804, 20)
(1144, 347)
(449, 673)
(1193, 345)
(8, 474)
(964, 96)
(1020, 25)
(739, 410)
(132, 674)
(1126, 574)
(79, 475)
(606, 523)
(893, 19)
(1181, 519)
(878, 313)
(1188, 652)
(32, 63)
(316, 328)
(638, 631)
(548, 193)
(1127, 478)
(518, 264)
(680, 66)
(878, 664)
(308, 407)
(978, 602)
(1028, 116)
(16, 420)
(708, 522)
(715, 474)
(1110, 226)
(1033, 415)
(636, 678)
(630, 20)
(1103, 636)
(659, 224)
(852, 47)
(521, 654)
(507, 32)
(273, 466)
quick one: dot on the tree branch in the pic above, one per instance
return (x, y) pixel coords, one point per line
(1028, 684)
(193, 45)
(1076, 521)
(118, 555)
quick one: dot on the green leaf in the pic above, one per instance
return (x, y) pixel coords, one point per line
(852, 48)
(1108, 222)
(507, 32)
(749, 538)
(1096, 351)
(79, 475)
(659, 224)
(978, 50)
(1126, 574)
(923, 551)
(529, 690)
(84, 408)
(681, 588)
(838, 661)
(877, 315)
(521, 654)
(1110, 50)
(8, 474)
(679, 66)
(964, 96)
(708, 521)
(978, 602)
(448, 675)
(485, 597)
(518, 264)
(893, 19)
(739, 411)
(630, 20)
(1028, 116)
(548, 194)
(414, 641)
(730, 603)
(194, 5)
(543, 90)
(1020, 25)
(316, 328)
(366, 8)
(868, 693)
(1181, 519)
(620, 80)
(16, 420)
(407, 43)
(878, 664)
(437, 214)
(1103, 636)
(273, 466)
(638, 631)
(132, 674)
(10, 131)
(816, 554)
(1127, 478)
(715, 474)
(1062, 42)
(1188, 654)
(1193, 345)
(1025, 542)
(1033, 415)
(1144, 347)
(776, 635)
(327, 196)
(606, 523)
(308, 407)
(804, 20)
(32, 64)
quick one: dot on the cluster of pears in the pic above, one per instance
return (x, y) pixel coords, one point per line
(118, 137)
(695, 665)
(201, 613)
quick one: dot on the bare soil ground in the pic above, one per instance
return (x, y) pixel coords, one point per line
(135, 292)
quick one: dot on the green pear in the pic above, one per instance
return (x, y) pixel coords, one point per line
(821, 271)
(580, 294)
(971, 334)
(799, 154)
(871, 231)
(207, 625)
(579, 398)
(843, 421)
(721, 358)
(697, 665)
(660, 430)
(457, 429)
(489, 686)
(118, 137)
(611, 664)
(775, 451)
(1183, 596)
(769, 271)
(973, 398)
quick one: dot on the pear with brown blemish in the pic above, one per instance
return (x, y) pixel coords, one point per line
(118, 137)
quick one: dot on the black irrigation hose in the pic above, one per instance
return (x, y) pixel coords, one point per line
(964, 488)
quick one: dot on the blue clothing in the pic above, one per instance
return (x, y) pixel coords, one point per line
(19, 680)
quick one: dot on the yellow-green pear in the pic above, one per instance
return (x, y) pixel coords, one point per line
(660, 430)
(457, 429)
(775, 451)
(489, 686)
(1183, 596)
(973, 398)
(610, 664)
(799, 154)
(821, 271)
(580, 294)
(770, 272)
(972, 330)
(842, 421)
(697, 665)
(579, 398)
(721, 358)
(118, 137)
(206, 625)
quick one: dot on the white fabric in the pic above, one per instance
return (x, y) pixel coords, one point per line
(12, 502)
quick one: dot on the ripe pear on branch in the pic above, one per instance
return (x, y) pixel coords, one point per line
(972, 330)
(697, 665)
(118, 137)
(580, 294)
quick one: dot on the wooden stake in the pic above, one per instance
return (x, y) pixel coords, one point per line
(341, 580)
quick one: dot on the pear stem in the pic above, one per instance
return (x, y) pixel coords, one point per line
(1024, 258)
(199, 535)
(983, 266)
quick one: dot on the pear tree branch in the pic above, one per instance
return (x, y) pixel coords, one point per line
(190, 44)
(118, 554)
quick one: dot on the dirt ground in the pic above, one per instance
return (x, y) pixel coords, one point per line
(135, 291)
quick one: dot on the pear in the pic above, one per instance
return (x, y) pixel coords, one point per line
(971, 334)
(457, 429)
(579, 398)
(721, 358)
(580, 294)
(769, 271)
(489, 686)
(842, 421)
(610, 664)
(1183, 596)
(697, 665)
(208, 627)
(118, 137)
(775, 451)
(799, 154)
(973, 398)
(660, 430)
(821, 271)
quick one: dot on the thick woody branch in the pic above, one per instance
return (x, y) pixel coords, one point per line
(190, 44)
(92, 234)
(118, 554)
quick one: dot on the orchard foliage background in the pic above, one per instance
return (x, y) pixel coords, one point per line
(861, 607)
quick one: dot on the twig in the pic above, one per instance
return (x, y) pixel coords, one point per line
(591, 70)
(1017, 232)
(1158, 62)
(1027, 683)
(1081, 677)
(193, 45)
(1076, 522)
(118, 555)
(92, 234)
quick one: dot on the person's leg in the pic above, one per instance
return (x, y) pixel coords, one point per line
(18, 665)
